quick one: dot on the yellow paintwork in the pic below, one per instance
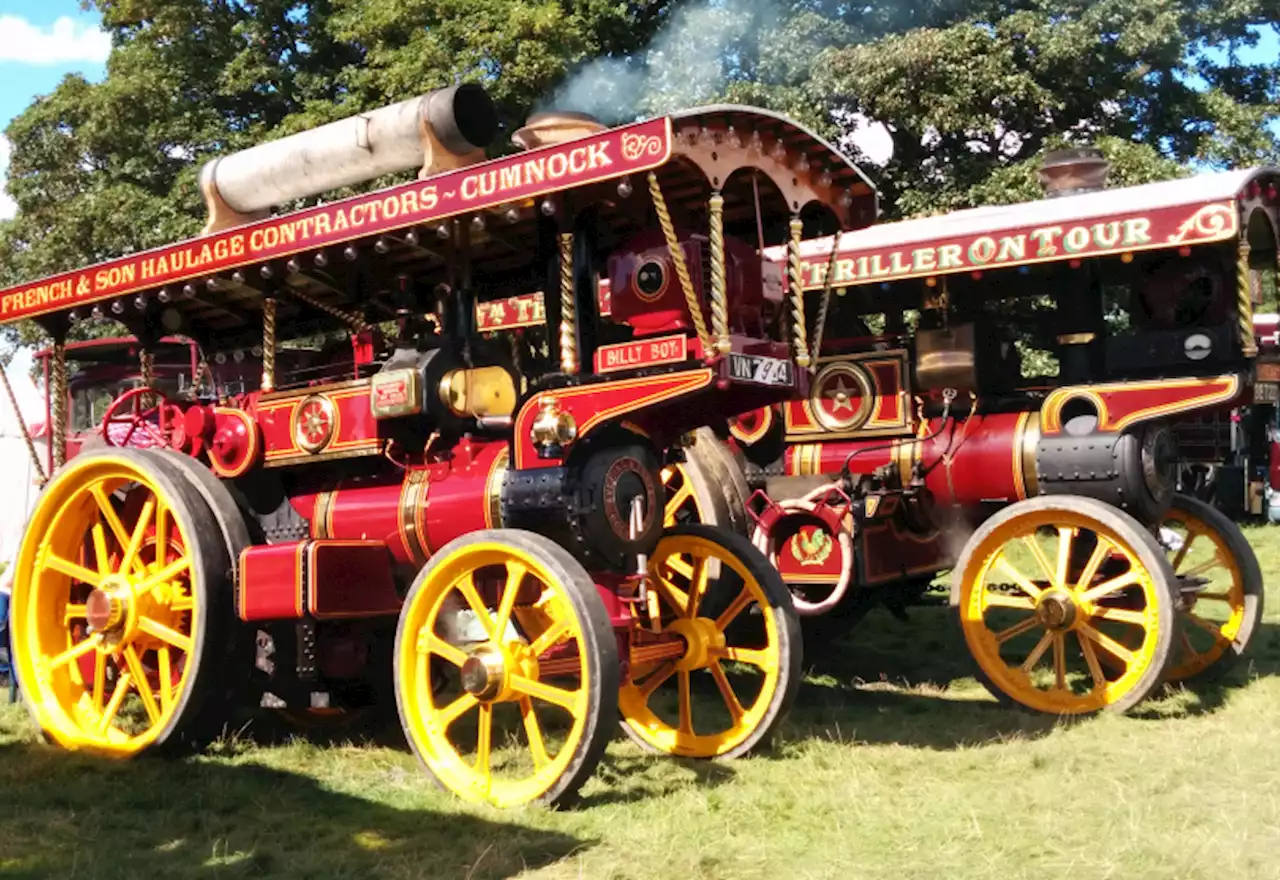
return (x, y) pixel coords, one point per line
(450, 588)
(1128, 662)
(76, 542)
(706, 649)
(1188, 661)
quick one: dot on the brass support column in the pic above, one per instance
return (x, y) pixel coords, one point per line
(1244, 302)
(58, 390)
(568, 312)
(719, 299)
(677, 260)
(268, 344)
(798, 329)
(353, 322)
(147, 372)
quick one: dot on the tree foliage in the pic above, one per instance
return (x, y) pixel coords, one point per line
(971, 91)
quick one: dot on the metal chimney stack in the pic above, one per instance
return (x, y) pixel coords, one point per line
(1072, 171)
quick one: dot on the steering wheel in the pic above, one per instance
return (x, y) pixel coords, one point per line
(160, 433)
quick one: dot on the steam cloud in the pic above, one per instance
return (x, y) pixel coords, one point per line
(686, 64)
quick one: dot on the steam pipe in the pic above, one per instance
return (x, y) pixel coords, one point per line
(443, 129)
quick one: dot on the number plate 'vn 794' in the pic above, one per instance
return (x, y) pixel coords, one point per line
(760, 370)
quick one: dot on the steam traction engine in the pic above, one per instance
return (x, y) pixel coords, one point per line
(1000, 392)
(470, 525)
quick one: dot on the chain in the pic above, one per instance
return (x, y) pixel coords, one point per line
(59, 390)
(828, 282)
(677, 259)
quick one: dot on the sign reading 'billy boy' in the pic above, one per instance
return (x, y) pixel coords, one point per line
(628, 150)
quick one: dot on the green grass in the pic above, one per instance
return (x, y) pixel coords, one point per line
(894, 764)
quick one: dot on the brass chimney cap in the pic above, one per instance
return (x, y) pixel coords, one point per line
(555, 127)
(1073, 170)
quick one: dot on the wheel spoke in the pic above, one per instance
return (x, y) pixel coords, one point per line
(73, 570)
(735, 608)
(1182, 551)
(686, 703)
(1096, 558)
(117, 698)
(139, 533)
(467, 587)
(1108, 644)
(1017, 629)
(1091, 658)
(726, 691)
(484, 739)
(1060, 661)
(75, 652)
(537, 748)
(1037, 652)
(134, 662)
(1120, 615)
(1066, 537)
(1004, 600)
(166, 677)
(456, 710)
(1208, 626)
(1038, 552)
(162, 534)
(656, 678)
(430, 643)
(168, 573)
(1208, 564)
(697, 587)
(550, 637)
(559, 696)
(108, 511)
(761, 658)
(675, 502)
(100, 549)
(515, 579)
(1106, 588)
(1003, 563)
(677, 598)
(164, 634)
(73, 612)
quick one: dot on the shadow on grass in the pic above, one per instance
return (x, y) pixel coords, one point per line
(67, 815)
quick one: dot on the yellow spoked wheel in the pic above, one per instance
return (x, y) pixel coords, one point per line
(708, 487)
(1052, 591)
(715, 655)
(117, 585)
(1220, 586)
(505, 665)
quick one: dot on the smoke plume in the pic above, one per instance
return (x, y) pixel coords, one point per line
(689, 61)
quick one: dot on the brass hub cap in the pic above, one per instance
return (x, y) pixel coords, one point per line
(107, 608)
(484, 673)
(1056, 610)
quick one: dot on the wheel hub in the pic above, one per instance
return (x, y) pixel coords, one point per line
(484, 673)
(107, 608)
(1056, 610)
(702, 640)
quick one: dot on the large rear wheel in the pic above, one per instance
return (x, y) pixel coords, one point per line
(715, 657)
(1058, 630)
(1220, 585)
(120, 598)
(506, 669)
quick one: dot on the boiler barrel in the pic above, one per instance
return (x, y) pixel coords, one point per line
(352, 150)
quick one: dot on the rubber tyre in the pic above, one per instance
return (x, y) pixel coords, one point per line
(787, 624)
(1144, 546)
(597, 640)
(200, 710)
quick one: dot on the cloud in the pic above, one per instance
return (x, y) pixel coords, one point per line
(7, 206)
(65, 41)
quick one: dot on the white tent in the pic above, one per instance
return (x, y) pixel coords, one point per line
(19, 479)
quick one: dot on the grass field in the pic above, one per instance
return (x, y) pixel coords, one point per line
(894, 763)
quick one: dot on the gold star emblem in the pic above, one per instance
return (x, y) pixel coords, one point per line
(839, 397)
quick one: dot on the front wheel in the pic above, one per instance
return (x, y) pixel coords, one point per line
(716, 653)
(1066, 605)
(506, 669)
